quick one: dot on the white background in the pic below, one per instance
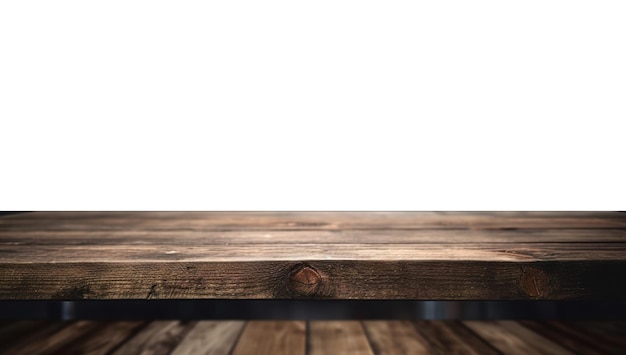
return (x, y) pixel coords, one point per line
(312, 105)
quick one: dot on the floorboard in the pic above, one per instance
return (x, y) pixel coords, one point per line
(319, 337)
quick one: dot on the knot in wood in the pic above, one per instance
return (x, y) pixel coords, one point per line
(535, 282)
(304, 280)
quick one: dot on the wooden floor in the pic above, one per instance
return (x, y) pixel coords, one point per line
(314, 337)
(315, 255)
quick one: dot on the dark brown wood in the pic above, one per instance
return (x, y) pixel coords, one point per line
(310, 220)
(52, 342)
(510, 337)
(337, 337)
(338, 255)
(272, 338)
(210, 338)
(395, 337)
(608, 336)
(105, 339)
(451, 337)
(322, 337)
(349, 279)
(12, 331)
(158, 338)
(574, 340)
(304, 280)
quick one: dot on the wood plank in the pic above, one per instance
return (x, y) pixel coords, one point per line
(337, 337)
(341, 279)
(510, 337)
(203, 238)
(310, 220)
(210, 338)
(272, 338)
(52, 342)
(105, 339)
(395, 337)
(520, 252)
(451, 337)
(158, 338)
(367, 255)
(566, 337)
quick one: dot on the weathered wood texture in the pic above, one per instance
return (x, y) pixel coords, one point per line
(105, 339)
(158, 338)
(324, 255)
(311, 220)
(453, 338)
(51, 339)
(512, 338)
(337, 337)
(319, 337)
(561, 333)
(272, 338)
(395, 337)
(211, 338)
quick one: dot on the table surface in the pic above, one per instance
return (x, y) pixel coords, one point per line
(313, 255)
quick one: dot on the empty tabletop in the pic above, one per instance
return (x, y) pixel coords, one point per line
(313, 255)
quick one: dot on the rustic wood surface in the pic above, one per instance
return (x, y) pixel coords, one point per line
(52, 339)
(105, 339)
(395, 337)
(316, 337)
(311, 220)
(453, 338)
(561, 333)
(272, 338)
(314, 255)
(609, 334)
(211, 338)
(337, 337)
(159, 337)
(512, 338)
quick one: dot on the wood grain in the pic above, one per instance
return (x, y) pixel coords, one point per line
(519, 252)
(510, 337)
(316, 255)
(272, 338)
(158, 338)
(339, 280)
(575, 341)
(337, 337)
(310, 220)
(210, 338)
(52, 340)
(105, 339)
(451, 337)
(186, 237)
(395, 337)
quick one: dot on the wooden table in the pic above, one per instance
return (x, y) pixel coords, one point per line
(314, 255)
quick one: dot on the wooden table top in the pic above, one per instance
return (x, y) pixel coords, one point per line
(314, 255)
